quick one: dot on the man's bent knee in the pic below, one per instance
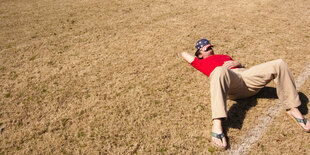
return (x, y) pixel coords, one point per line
(280, 62)
(219, 71)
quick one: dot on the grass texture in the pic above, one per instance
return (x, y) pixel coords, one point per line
(105, 77)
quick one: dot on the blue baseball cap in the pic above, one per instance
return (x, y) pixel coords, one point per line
(201, 43)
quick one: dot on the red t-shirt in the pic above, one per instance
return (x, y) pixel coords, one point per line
(207, 65)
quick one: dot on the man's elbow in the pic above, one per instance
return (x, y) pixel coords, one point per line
(189, 58)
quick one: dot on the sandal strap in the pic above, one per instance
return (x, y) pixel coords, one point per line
(218, 136)
(304, 120)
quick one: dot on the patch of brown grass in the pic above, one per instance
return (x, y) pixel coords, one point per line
(105, 77)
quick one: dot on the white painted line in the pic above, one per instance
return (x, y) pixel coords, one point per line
(256, 133)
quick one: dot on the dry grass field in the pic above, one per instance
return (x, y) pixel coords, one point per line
(105, 77)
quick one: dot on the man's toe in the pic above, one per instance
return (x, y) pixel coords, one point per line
(220, 143)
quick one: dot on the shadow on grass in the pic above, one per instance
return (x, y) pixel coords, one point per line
(237, 112)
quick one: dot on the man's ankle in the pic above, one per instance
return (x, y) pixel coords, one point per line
(217, 121)
(293, 110)
(217, 125)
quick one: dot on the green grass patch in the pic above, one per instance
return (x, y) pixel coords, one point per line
(211, 150)
(81, 134)
(13, 75)
(44, 90)
(157, 102)
(64, 121)
(163, 150)
(2, 68)
(262, 147)
(63, 151)
(7, 95)
(20, 124)
(83, 146)
(32, 58)
(30, 98)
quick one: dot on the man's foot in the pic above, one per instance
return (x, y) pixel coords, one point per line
(218, 138)
(295, 114)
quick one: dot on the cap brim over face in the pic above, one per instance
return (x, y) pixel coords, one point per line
(206, 46)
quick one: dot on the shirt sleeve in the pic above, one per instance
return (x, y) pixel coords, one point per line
(196, 63)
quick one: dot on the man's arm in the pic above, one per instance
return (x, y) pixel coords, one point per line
(188, 57)
(231, 64)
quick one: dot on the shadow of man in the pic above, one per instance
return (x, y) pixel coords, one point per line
(236, 114)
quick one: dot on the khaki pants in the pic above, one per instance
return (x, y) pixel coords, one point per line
(242, 83)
